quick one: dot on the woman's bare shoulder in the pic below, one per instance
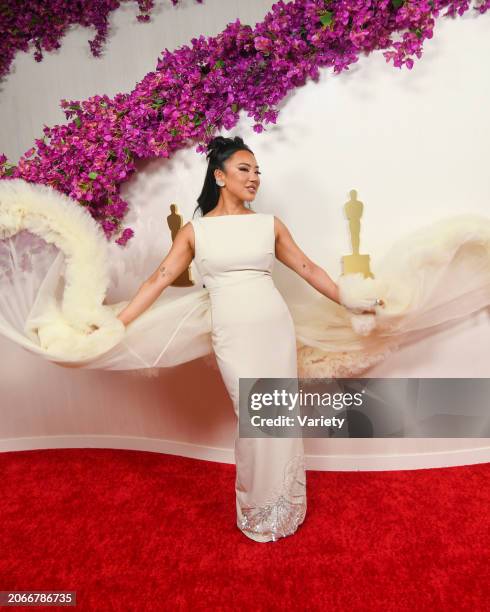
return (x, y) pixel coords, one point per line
(278, 221)
(187, 233)
(279, 226)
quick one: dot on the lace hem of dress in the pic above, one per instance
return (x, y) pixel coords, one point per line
(273, 521)
(279, 516)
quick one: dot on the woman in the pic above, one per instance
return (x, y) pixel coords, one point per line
(253, 333)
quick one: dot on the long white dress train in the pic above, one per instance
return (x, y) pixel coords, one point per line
(253, 336)
(55, 273)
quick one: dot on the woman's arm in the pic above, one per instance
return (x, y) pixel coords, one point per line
(178, 259)
(289, 253)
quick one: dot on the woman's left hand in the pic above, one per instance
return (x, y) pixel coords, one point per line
(372, 310)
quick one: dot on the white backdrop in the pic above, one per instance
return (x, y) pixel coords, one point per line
(415, 144)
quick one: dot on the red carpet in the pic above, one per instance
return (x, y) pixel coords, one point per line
(142, 531)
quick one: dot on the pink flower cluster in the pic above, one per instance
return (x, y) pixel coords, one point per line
(198, 89)
(43, 23)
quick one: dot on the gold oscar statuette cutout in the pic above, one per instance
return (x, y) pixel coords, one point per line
(355, 262)
(175, 222)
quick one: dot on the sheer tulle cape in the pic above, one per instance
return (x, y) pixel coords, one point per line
(431, 278)
(54, 277)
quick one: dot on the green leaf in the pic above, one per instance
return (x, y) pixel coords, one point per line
(78, 123)
(219, 64)
(128, 153)
(234, 107)
(9, 169)
(198, 118)
(397, 3)
(93, 175)
(158, 102)
(326, 18)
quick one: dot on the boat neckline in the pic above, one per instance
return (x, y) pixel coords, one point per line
(236, 215)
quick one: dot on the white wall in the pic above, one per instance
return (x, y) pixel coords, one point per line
(415, 144)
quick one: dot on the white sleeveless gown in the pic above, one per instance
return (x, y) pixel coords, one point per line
(253, 335)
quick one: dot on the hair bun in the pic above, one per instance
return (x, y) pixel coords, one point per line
(217, 144)
(220, 143)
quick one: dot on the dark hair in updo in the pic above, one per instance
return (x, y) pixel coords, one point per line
(219, 150)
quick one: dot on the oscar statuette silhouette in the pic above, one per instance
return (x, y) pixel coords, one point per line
(175, 222)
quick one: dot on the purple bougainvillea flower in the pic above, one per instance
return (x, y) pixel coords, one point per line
(200, 88)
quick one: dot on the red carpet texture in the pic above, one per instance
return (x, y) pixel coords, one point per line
(144, 531)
